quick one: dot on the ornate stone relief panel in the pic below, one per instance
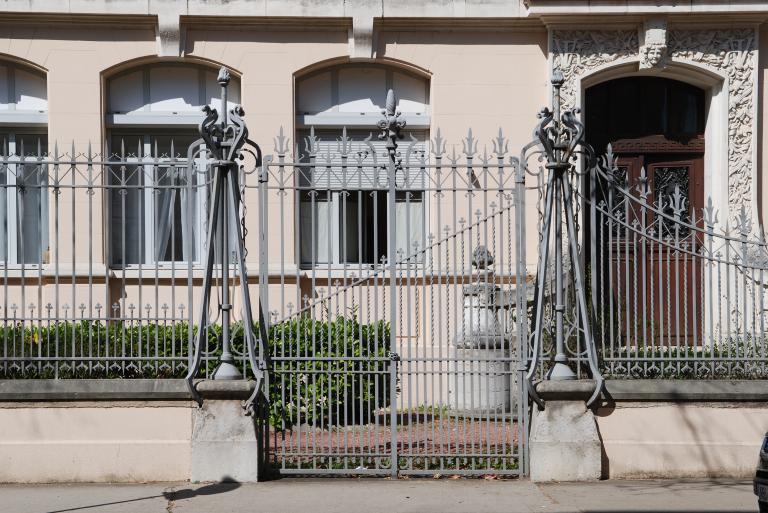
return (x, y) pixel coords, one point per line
(731, 52)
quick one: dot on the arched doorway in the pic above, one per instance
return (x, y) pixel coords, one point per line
(655, 127)
(651, 122)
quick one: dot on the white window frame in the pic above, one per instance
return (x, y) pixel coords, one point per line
(148, 163)
(336, 120)
(147, 124)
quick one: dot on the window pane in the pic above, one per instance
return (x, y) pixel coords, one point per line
(315, 213)
(157, 213)
(126, 93)
(31, 200)
(314, 94)
(409, 225)
(5, 101)
(31, 91)
(174, 89)
(167, 212)
(359, 235)
(362, 89)
(411, 93)
(126, 214)
(365, 225)
(162, 143)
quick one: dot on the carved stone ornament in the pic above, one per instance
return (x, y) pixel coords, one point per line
(731, 52)
(653, 52)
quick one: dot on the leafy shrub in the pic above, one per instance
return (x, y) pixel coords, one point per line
(321, 373)
(328, 373)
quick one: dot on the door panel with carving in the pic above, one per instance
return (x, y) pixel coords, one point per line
(655, 280)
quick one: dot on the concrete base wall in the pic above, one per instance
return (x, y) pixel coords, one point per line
(95, 442)
(125, 431)
(136, 431)
(670, 440)
(225, 443)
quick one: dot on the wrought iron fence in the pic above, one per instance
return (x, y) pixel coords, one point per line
(388, 290)
(399, 329)
(394, 349)
(101, 262)
(678, 290)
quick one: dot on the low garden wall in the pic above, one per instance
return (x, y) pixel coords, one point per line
(142, 430)
(676, 428)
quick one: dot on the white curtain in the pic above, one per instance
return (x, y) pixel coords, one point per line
(409, 226)
(126, 215)
(30, 182)
(315, 230)
(4, 227)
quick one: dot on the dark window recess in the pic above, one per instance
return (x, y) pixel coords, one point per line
(629, 108)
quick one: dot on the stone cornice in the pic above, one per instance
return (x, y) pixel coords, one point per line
(119, 21)
(459, 24)
(266, 23)
(642, 7)
(624, 21)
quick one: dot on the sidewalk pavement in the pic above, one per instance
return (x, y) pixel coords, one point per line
(382, 495)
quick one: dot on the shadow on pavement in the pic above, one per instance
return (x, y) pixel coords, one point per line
(173, 495)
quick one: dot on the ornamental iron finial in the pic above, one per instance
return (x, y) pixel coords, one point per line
(224, 77)
(391, 124)
(225, 135)
(560, 134)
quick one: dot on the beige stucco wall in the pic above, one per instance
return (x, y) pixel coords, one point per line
(130, 441)
(483, 79)
(95, 442)
(665, 440)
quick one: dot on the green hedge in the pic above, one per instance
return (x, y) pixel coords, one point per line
(346, 380)
(343, 380)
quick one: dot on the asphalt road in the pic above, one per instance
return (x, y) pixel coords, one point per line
(381, 495)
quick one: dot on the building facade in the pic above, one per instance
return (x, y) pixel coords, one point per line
(130, 78)
(104, 226)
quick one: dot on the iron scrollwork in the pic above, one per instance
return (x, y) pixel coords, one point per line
(225, 139)
(560, 137)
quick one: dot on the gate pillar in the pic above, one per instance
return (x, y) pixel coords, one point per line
(227, 445)
(564, 443)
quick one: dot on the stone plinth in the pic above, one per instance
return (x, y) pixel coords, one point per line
(482, 381)
(227, 445)
(564, 442)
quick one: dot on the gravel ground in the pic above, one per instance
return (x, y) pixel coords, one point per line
(426, 441)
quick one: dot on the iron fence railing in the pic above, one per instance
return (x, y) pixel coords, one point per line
(675, 290)
(100, 262)
(393, 347)
(678, 289)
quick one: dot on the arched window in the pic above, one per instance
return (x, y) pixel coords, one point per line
(23, 133)
(156, 216)
(341, 226)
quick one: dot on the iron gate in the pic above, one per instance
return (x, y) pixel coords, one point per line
(392, 339)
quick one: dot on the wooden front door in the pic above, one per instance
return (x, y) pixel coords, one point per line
(656, 276)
